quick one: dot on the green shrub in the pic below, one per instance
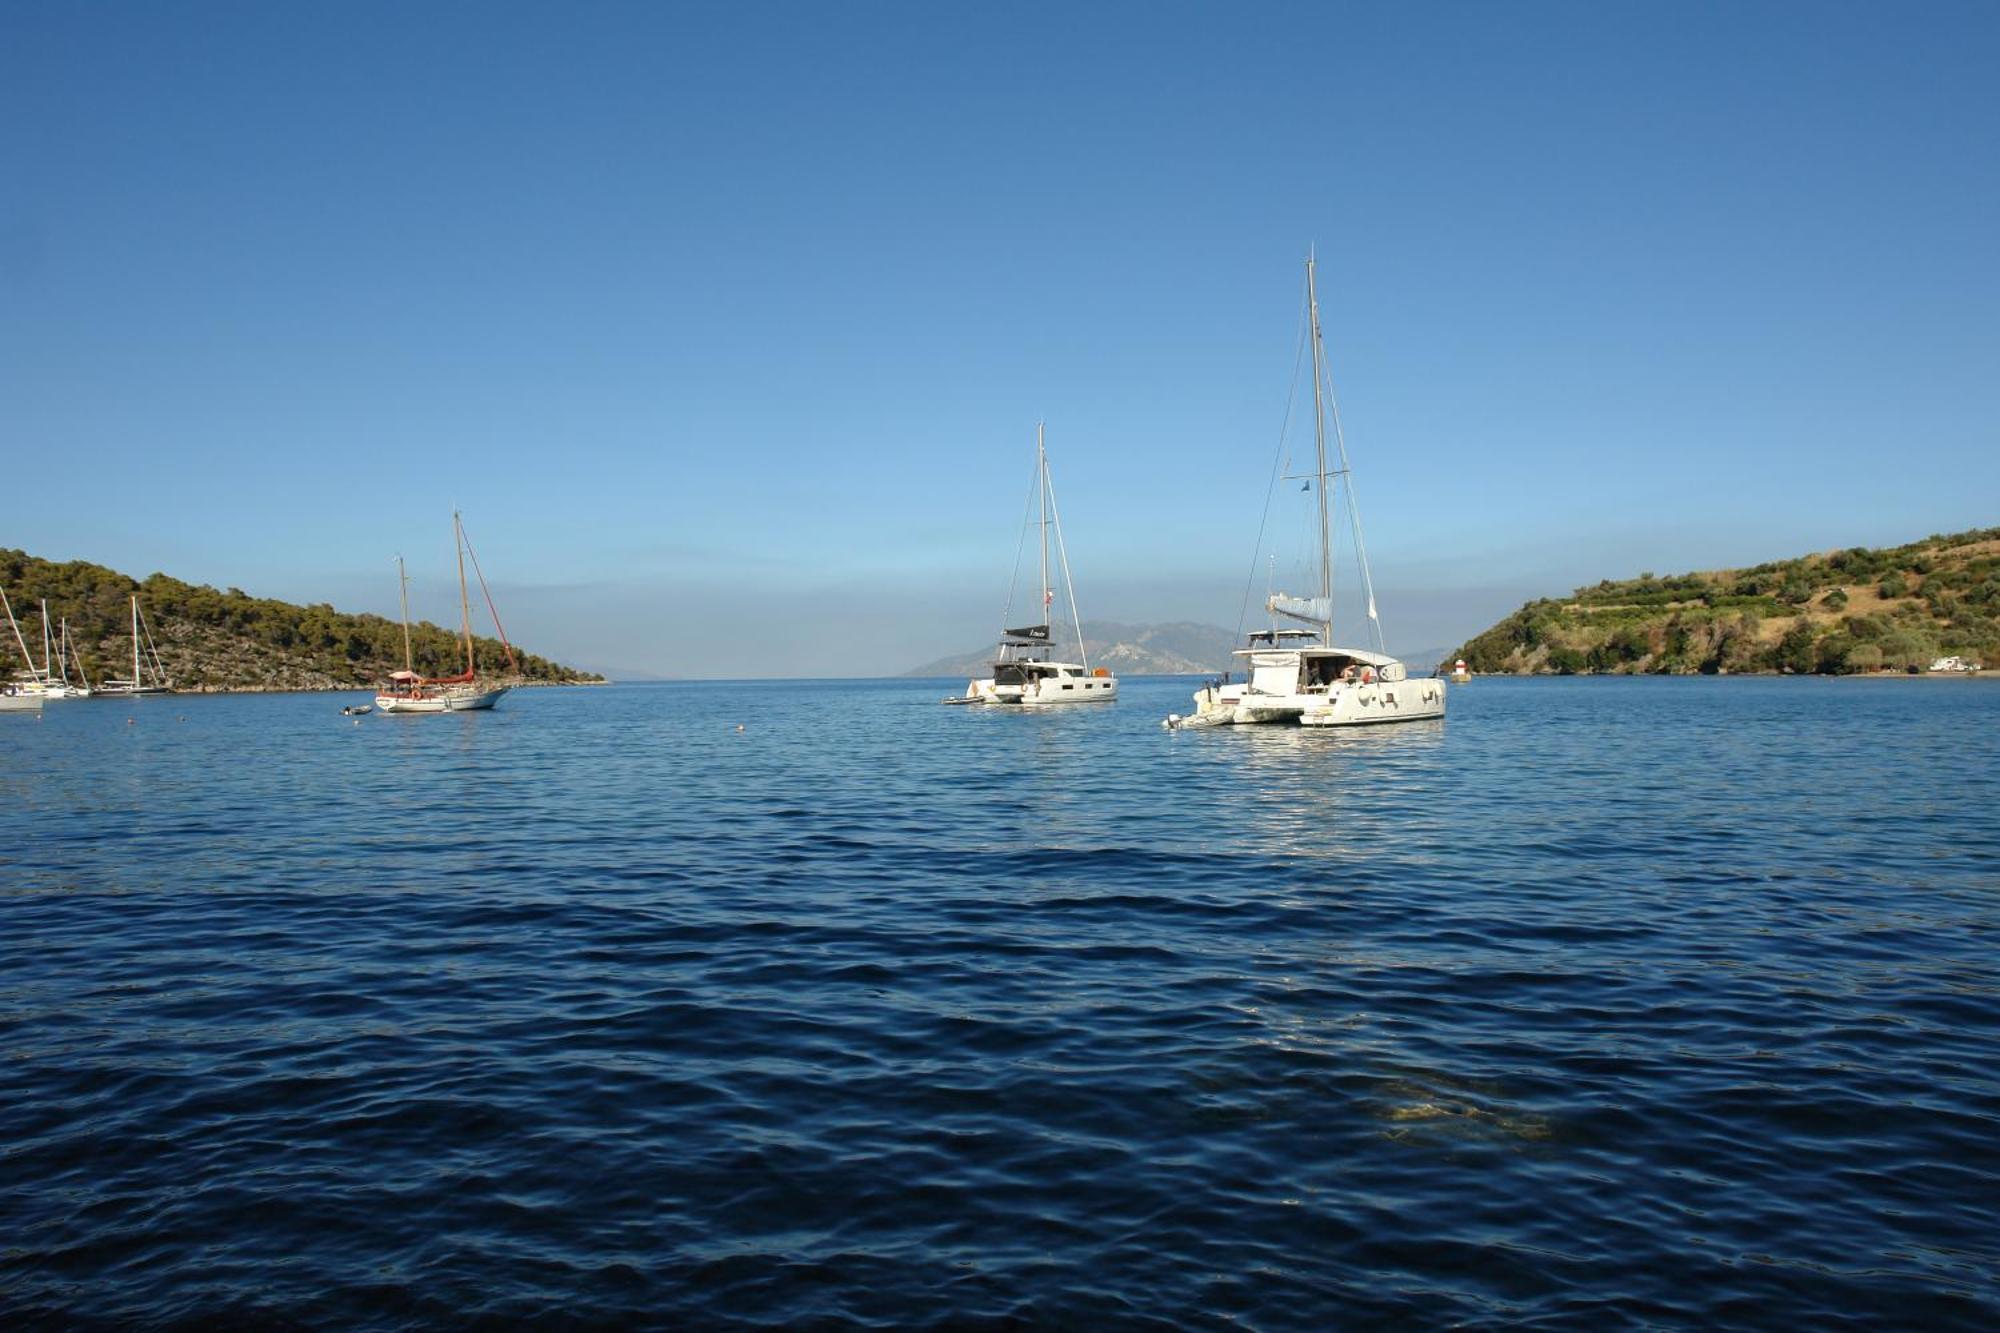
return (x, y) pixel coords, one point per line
(1795, 651)
(1565, 661)
(1893, 584)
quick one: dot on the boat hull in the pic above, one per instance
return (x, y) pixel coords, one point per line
(463, 700)
(1344, 705)
(470, 702)
(1050, 692)
(393, 703)
(20, 703)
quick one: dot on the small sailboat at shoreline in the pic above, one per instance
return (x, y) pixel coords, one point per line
(50, 680)
(1026, 671)
(408, 691)
(149, 674)
(1302, 676)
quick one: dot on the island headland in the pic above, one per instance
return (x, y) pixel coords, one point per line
(1846, 612)
(214, 641)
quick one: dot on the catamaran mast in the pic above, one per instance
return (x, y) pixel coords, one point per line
(403, 583)
(1319, 449)
(1042, 472)
(464, 600)
(1062, 553)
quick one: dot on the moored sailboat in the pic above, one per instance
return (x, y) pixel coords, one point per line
(1301, 675)
(149, 674)
(409, 691)
(50, 680)
(1026, 670)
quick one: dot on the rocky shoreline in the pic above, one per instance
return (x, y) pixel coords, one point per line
(360, 689)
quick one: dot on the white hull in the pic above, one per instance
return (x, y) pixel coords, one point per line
(1048, 691)
(464, 703)
(393, 703)
(1317, 687)
(460, 700)
(20, 703)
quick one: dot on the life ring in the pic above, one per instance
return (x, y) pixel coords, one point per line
(1367, 675)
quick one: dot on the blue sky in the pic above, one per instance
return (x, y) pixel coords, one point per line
(728, 326)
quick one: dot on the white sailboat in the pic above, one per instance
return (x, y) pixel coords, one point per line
(23, 693)
(1300, 675)
(51, 679)
(408, 691)
(57, 651)
(1027, 672)
(149, 674)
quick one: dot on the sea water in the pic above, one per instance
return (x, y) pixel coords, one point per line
(1602, 1002)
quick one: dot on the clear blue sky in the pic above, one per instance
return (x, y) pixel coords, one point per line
(727, 326)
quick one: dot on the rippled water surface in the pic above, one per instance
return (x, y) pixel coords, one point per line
(1604, 1002)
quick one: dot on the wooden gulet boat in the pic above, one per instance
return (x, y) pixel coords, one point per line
(409, 691)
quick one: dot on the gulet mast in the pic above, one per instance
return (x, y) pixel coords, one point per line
(464, 599)
(403, 583)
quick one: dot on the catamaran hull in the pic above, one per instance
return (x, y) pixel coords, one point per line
(1348, 706)
(1371, 705)
(1058, 690)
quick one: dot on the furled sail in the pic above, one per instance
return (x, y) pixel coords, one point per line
(1039, 633)
(1317, 610)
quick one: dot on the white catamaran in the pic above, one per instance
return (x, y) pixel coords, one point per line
(408, 691)
(1301, 675)
(1026, 671)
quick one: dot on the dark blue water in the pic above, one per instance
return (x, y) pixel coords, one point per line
(1603, 1003)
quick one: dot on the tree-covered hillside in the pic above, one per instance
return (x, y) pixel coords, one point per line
(230, 640)
(1837, 613)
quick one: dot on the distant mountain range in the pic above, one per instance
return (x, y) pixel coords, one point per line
(1181, 648)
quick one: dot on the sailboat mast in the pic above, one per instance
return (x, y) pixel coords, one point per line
(76, 653)
(135, 642)
(48, 664)
(1319, 450)
(15, 625)
(464, 600)
(403, 583)
(1042, 473)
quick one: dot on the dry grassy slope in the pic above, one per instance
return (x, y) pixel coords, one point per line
(1835, 611)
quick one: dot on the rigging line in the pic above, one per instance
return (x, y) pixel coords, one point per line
(152, 650)
(494, 611)
(1020, 545)
(1076, 616)
(1277, 467)
(1353, 510)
